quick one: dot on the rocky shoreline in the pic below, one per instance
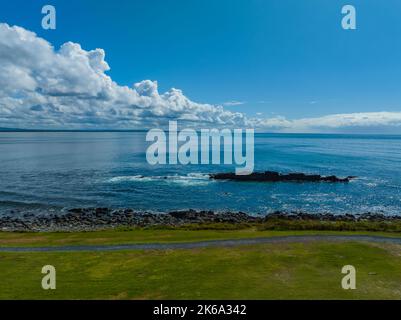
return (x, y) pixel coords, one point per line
(91, 219)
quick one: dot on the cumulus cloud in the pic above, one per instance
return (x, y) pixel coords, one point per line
(68, 88)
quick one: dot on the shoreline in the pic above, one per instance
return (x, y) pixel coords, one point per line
(96, 219)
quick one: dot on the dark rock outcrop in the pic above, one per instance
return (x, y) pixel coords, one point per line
(272, 176)
(89, 219)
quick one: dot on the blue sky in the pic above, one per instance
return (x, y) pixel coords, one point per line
(286, 58)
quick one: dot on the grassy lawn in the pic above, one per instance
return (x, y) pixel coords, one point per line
(293, 270)
(310, 270)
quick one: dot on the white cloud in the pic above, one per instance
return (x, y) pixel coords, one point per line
(232, 103)
(68, 88)
(42, 87)
(360, 122)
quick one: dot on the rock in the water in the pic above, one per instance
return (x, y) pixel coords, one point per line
(272, 176)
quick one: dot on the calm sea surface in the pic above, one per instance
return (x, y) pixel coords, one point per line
(48, 172)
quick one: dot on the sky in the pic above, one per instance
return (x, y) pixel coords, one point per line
(279, 65)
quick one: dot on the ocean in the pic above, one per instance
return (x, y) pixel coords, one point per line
(48, 172)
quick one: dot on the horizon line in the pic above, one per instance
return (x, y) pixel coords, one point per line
(3, 130)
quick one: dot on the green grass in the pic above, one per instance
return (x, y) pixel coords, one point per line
(309, 270)
(293, 270)
(287, 224)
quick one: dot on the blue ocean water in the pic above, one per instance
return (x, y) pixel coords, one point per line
(45, 172)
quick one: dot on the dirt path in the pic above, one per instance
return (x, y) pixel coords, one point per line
(204, 244)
